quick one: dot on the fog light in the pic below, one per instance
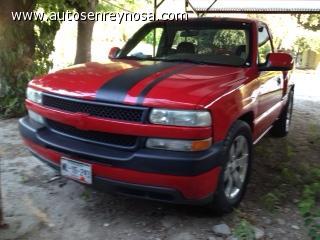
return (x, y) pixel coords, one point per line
(35, 117)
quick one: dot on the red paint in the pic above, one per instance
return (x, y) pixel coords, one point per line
(280, 60)
(193, 188)
(82, 80)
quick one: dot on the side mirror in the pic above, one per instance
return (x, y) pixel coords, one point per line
(113, 52)
(278, 62)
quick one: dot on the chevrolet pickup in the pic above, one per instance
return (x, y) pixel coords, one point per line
(171, 116)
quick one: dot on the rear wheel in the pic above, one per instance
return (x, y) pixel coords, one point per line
(236, 169)
(282, 126)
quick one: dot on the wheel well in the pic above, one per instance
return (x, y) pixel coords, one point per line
(248, 118)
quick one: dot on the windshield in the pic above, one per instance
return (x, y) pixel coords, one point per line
(199, 42)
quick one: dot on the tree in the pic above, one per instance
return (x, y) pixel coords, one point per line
(309, 21)
(8, 41)
(17, 41)
(8, 26)
(85, 29)
(300, 45)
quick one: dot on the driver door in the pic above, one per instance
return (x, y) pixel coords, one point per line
(271, 83)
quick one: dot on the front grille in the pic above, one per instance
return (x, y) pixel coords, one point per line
(125, 113)
(93, 136)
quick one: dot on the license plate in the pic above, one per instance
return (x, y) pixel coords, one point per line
(75, 170)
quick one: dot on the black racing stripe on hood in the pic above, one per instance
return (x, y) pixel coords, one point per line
(116, 89)
(152, 84)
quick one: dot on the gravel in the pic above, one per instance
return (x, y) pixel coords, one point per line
(182, 236)
(221, 229)
(258, 233)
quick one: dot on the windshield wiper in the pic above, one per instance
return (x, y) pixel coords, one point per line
(136, 58)
(187, 60)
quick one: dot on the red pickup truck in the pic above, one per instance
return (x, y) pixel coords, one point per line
(172, 116)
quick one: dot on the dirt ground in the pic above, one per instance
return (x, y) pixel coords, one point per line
(37, 208)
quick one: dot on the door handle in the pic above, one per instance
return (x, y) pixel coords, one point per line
(279, 81)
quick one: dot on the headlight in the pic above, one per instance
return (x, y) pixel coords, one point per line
(34, 95)
(180, 117)
(35, 117)
(179, 145)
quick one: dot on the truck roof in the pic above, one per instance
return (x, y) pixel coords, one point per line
(224, 19)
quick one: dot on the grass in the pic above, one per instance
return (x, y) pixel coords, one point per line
(293, 176)
(244, 230)
(284, 175)
(300, 178)
(24, 178)
(309, 204)
(271, 200)
(86, 195)
(314, 131)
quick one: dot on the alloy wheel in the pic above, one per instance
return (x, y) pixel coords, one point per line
(237, 166)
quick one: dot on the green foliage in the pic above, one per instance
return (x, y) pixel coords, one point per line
(309, 21)
(86, 195)
(309, 204)
(314, 137)
(289, 176)
(228, 38)
(300, 45)
(149, 38)
(306, 179)
(45, 32)
(263, 52)
(244, 231)
(121, 5)
(263, 152)
(271, 200)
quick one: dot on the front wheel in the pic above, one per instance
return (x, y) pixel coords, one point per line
(236, 168)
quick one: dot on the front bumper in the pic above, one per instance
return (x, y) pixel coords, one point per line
(154, 174)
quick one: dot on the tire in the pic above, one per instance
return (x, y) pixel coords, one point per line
(226, 198)
(282, 126)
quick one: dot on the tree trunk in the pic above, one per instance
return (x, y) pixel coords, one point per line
(297, 56)
(25, 29)
(13, 33)
(85, 29)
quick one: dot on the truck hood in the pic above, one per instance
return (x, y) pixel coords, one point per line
(148, 83)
